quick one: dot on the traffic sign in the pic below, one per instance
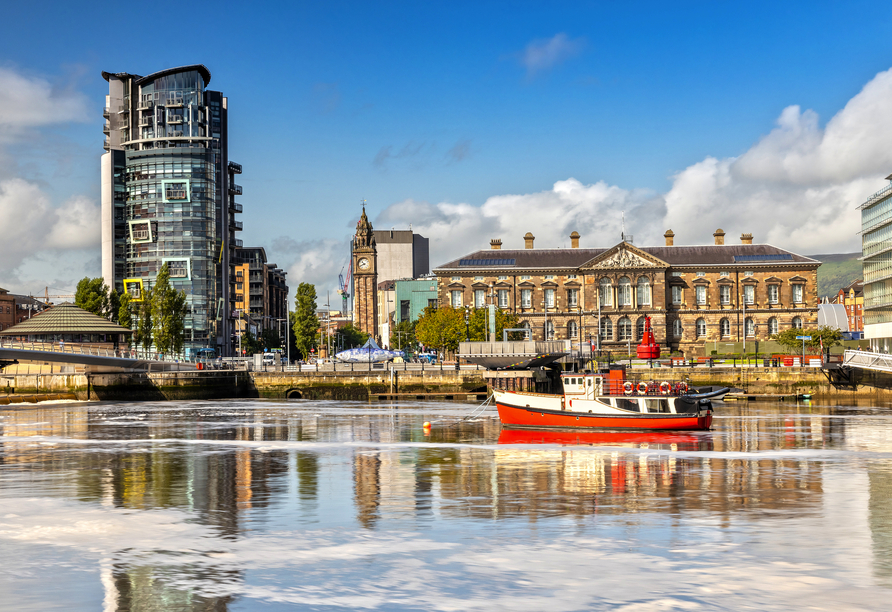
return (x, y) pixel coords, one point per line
(803, 337)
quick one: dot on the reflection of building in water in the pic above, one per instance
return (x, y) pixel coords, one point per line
(367, 491)
(131, 588)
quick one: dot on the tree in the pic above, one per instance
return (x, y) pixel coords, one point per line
(823, 336)
(143, 334)
(270, 339)
(402, 336)
(442, 328)
(168, 310)
(480, 320)
(92, 295)
(125, 319)
(251, 344)
(304, 320)
(353, 336)
(114, 306)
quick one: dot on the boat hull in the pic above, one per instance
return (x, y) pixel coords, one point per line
(532, 417)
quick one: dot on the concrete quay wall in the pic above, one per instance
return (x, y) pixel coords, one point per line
(359, 386)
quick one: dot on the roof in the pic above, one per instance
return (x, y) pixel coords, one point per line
(393, 236)
(707, 255)
(65, 319)
(200, 68)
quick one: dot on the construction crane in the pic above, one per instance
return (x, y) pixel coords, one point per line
(47, 295)
(344, 284)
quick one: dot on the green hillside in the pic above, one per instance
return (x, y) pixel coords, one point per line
(836, 271)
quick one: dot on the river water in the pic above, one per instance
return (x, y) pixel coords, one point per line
(265, 505)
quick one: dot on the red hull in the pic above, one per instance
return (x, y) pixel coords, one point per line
(517, 417)
(653, 439)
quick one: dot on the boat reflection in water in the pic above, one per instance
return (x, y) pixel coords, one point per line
(629, 439)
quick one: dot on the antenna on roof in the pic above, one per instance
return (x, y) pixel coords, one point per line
(623, 235)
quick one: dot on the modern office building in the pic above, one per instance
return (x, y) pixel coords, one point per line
(876, 253)
(413, 296)
(168, 195)
(260, 289)
(401, 254)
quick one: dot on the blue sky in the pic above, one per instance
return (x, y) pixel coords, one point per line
(469, 120)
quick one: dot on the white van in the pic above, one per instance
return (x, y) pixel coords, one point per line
(269, 359)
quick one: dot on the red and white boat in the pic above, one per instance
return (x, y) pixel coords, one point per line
(598, 401)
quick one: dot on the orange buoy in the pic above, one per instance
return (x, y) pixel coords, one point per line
(427, 425)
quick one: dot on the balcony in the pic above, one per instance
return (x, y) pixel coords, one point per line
(175, 101)
(147, 121)
(235, 168)
(106, 144)
(106, 112)
(176, 134)
(146, 104)
(106, 128)
(237, 226)
(175, 119)
(237, 243)
(235, 189)
(257, 291)
(235, 207)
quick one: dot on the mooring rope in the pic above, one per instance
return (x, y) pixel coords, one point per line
(477, 412)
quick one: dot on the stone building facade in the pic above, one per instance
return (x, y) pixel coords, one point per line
(694, 295)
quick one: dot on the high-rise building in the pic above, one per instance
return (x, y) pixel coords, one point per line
(168, 195)
(876, 217)
(260, 289)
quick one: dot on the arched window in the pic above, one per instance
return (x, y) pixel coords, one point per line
(624, 327)
(549, 330)
(643, 291)
(701, 328)
(624, 292)
(606, 329)
(797, 322)
(639, 328)
(725, 328)
(677, 329)
(606, 292)
(572, 329)
(772, 325)
(749, 327)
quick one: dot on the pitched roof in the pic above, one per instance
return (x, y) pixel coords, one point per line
(65, 319)
(707, 255)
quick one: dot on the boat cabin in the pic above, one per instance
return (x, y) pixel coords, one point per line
(643, 397)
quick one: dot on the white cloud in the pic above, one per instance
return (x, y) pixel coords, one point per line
(29, 102)
(542, 55)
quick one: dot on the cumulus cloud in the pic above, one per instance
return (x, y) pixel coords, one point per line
(313, 261)
(29, 102)
(542, 55)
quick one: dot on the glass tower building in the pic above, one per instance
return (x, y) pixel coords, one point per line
(168, 196)
(876, 255)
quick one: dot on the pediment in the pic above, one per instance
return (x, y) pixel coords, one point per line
(701, 281)
(526, 284)
(798, 279)
(480, 285)
(549, 284)
(749, 280)
(624, 256)
(503, 284)
(455, 285)
(572, 283)
(725, 281)
(773, 279)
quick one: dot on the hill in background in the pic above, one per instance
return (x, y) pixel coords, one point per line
(837, 270)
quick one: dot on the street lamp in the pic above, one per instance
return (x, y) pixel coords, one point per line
(467, 324)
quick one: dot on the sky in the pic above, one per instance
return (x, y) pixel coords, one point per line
(466, 120)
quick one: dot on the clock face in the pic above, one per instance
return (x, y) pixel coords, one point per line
(363, 264)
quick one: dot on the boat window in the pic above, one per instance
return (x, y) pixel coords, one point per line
(657, 405)
(627, 404)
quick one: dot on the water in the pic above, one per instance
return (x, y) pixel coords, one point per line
(263, 505)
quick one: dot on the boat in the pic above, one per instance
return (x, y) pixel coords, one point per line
(592, 401)
(712, 393)
(667, 440)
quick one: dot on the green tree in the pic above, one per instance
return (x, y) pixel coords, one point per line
(480, 320)
(114, 306)
(441, 328)
(168, 310)
(402, 336)
(824, 335)
(251, 344)
(92, 295)
(125, 318)
(353, 336)
(304, 320)
(270, 339)
(143, 334)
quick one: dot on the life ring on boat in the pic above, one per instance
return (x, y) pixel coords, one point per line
(642, 388)
(627, 388)
(665, 387)
(681, 388)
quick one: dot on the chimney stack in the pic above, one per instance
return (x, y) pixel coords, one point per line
(746, 239)
(528, 240)
(574, 240)
(670, 237)
(719, 236)
(495, 244)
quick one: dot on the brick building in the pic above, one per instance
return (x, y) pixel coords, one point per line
(852, 297)
(260, 290)
(693, 294)
(7, 309)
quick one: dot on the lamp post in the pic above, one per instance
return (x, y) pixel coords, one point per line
(467, 323)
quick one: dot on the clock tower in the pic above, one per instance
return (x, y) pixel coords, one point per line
(365, 277)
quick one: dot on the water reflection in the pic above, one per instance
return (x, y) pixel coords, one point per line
(241, 468)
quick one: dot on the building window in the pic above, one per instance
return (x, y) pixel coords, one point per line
(572, 329)
(773, 292)
(572, 298)
(526, 298)
(549, 330)
(725, 294)
(571, 276)
(701, 274)
(640, 328)
(797, 323)
(677, 329)
(701, 295)
(549, 298)
(455, 279)
(479, 298)
(178, 269)
(606, 329)
(456, 299)
(678, 274)
(432, 303)
(772, 326)
(605, 292)
(624, 327)
(701, 328)
(643, 297)
(526, 277)
(549, 277)
(240, 286)
(624, 294)
(503, 298)
(404, 310)
(724, 273)
(749, 327)
(503, 278)
(677, 295)
(725, 328)
(748, 273)
(749, 294)
(797, 294)
(478, 278)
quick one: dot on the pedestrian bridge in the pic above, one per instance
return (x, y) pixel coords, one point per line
(881, 362)
(91, 356)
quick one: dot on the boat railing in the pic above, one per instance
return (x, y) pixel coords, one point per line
(650, 388)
